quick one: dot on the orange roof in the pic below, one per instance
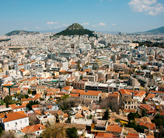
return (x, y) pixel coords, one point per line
(24, 104)
(129, 110)
(35, 106)
(114, 128)
(156, 91)
(87, 70)
(22, 70)
(150, 95)
(90, 92)
(152, 126)
(20, 64)
(14, 116)
(15, 89)
(124, 91)
(77, 90)
(73, 63)
(147, 107)
(7, 84)
(78, 116)
(5, 76)
(62, 71)
(140, 93)
(67, 88)
(37, 112)
(38, 95)
(30, 129)
(65, 115)
(49, 106)
(28, 99)
(104, 135)
(74, 95)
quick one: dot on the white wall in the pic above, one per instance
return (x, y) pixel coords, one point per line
(12, 126)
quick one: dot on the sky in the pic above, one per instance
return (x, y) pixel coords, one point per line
(98, 15)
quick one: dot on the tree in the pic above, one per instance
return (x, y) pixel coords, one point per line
(144, 112)
(72, 132)
(78, 66)
(106, 115)
(29, 105)
(33, 120)
(53, 132)
(8, 134)
(29, 91)
(132, 116)
(8, 100)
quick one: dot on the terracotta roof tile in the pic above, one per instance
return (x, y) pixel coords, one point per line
(14, 116)
(33, 128)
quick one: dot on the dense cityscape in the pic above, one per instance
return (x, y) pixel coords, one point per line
(99, 86)
(82, 69)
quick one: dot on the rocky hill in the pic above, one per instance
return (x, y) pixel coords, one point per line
(20, 32)
(75, 29)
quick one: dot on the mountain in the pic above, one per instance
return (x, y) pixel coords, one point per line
(159, 30)
(20, 32)
(74, 26)
(75, 29)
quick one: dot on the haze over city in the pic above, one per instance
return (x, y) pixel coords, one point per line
(98, 15)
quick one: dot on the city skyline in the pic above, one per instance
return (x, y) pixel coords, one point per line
(99, 15)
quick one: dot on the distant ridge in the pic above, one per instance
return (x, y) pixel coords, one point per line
(20, 32)
(159, 30)
(75, 29)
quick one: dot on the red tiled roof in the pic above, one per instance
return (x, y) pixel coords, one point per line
(74, 95)
(114, 128)
(33, 128)
(152, 126)
(14, 116)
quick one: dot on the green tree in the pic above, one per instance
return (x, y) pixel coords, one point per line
(78, 65)
(71, 132)
(29, 105)
(144, 112)
(53, 132)
(8, 100)
(29, 91)
(106, 115)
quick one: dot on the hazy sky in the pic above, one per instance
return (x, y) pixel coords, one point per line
(99, 15)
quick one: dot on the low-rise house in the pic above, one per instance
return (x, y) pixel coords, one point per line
(145, 121)
(115, 129)
(43, 119)
(150, 109)
(24, 72)
(99, 126)
(15, 121)
(34, 129)
(157, 93)
(91, 95)
(130, 104)
(41, 89)
(139, 96)
(17, 108)
(33, 87)
(15, 91)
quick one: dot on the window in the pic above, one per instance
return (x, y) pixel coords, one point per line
(86, 96)
(91, 96)
(15, 123)
(25, 120)
(7, 125)
(20, 121)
